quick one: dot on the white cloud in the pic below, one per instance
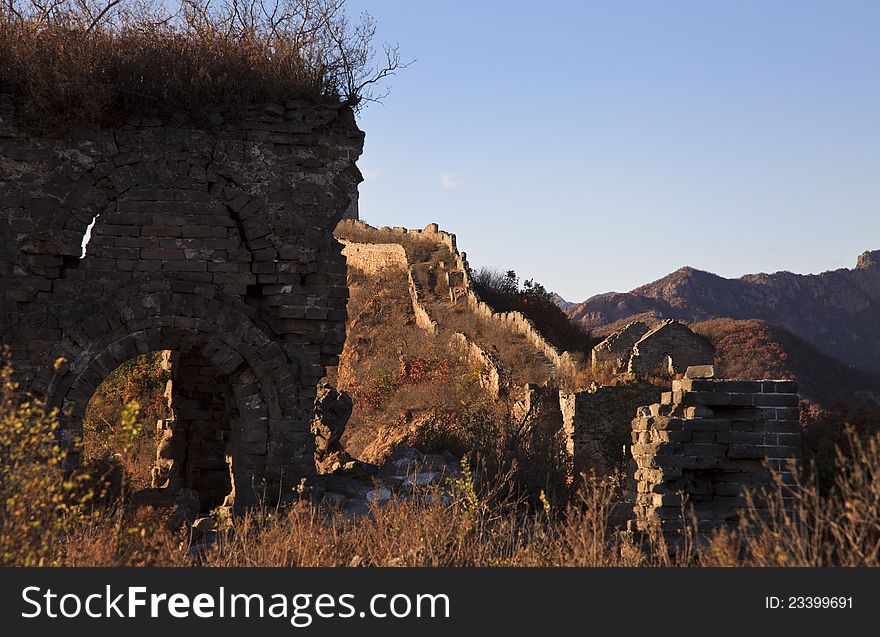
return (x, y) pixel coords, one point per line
(450, 181)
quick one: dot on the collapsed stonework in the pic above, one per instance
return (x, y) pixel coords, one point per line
(614, 352)
(596, 423)
(214, 244)
(705, 443)
(332, 410)
(670, 347)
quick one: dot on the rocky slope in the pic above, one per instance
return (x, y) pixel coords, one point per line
(838, 311)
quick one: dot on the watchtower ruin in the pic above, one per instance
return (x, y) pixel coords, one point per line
(212, 242)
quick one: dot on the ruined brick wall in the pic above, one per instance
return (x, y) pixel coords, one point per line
(213, 243)
(671, 347)
(491, 376)
(597, 423)
(372, 258)
(614, 352)
(458, 278)
(705, 443)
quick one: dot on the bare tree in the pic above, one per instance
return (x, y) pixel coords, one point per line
(337, 50)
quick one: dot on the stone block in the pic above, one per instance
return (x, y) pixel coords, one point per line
(700, 371)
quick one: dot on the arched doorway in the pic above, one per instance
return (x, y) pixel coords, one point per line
(184, 439)
(233, 432)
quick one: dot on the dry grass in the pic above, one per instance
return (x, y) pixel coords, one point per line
(47, 518)
(476, 528)
(391, 367)
(519, 359)
(71, 62)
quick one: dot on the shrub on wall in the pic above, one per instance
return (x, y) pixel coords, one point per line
(89, 61)
(504, 293)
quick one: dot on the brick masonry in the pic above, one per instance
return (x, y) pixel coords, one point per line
(213, 243)
(705, 443)
(670, 347)
(638, 352)
(596, 424)
(613, 354)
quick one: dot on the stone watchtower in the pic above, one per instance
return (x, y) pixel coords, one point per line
(214, 242)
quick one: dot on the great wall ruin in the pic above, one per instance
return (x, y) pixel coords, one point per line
(217, 246)
(703, 444)
(213, 243)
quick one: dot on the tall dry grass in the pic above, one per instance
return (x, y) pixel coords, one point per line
(475, 529)
(51, 517)
(96, 61)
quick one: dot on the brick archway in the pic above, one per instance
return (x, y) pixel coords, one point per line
(257, 370)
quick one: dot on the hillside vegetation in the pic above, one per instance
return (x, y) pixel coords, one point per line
(505, 294)
(430, 260)
(395, 372)
(754, 349)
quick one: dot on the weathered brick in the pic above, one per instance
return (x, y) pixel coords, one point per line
(145, 282)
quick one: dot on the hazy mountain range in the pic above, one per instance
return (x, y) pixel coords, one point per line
(837, 311)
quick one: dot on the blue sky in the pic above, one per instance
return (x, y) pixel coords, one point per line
(596, 146)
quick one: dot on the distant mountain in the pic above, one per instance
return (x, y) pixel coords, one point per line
(561, 302)
(838, 312)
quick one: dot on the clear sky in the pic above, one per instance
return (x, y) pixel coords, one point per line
(596, 146)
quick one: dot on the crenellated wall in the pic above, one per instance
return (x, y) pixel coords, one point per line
(514, 321)
(213, 243)
(459, 281)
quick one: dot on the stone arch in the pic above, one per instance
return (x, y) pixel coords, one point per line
(223, 335)
(218, 238)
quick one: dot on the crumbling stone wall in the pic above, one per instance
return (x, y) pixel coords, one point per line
(213, 243)
(373, 258)
(613, 354)
(458, 278)
(491, 376)
(671, 347)
(597, 423)
(705, 443)
(538, 405)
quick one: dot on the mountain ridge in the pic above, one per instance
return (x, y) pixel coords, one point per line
(837, 311)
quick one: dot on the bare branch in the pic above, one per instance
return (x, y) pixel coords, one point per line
(98, 18)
